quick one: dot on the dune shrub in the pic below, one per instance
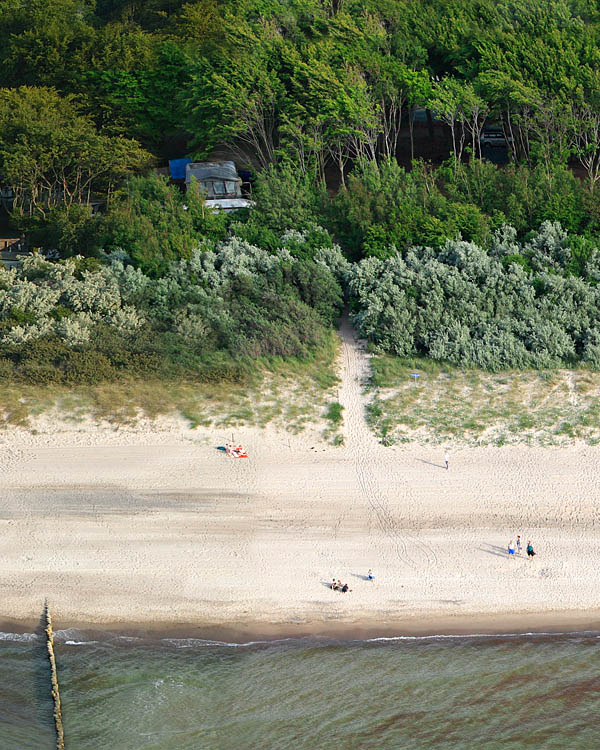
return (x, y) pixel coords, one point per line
(206, 317)
(464, 304)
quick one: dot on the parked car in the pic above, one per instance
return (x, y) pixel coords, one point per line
(493, 135)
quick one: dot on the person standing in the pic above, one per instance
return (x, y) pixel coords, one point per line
(530, 552)
(511, 548)
(519, 546)
(446, 460)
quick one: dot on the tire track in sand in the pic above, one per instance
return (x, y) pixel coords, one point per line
(366, 452)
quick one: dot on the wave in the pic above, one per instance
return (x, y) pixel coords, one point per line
(475, 636)
(200, 642)
(19, 637)
(74, 637)
(327, 641)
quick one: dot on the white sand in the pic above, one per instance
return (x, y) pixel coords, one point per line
(158, 526)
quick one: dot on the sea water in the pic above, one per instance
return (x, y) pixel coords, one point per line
(539, 691)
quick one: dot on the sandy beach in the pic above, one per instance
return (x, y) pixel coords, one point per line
(157, 527)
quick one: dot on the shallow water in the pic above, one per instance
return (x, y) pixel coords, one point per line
(453, 692)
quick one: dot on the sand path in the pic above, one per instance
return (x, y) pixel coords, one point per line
(372, 460)
(157, 526)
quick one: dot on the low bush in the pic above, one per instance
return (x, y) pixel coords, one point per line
(82, 322)
(477, 308)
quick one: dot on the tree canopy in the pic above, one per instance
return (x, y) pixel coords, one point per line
(362, 123)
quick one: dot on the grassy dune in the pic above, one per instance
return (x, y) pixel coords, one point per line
(481, 408)
(285, 392)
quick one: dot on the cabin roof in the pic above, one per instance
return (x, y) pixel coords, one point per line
(215, 170)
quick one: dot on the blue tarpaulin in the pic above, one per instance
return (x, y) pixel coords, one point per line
(177, 168)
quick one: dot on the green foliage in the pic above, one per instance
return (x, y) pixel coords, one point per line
(154, 223)
(309, 94)
(136, 87)
(385, 207)
(207, 317)
(52, 156)
(72, 232)
(466, 306)
(521, 196)
(334, 413)
(284, 199)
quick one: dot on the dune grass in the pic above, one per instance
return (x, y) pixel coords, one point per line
(290, 393)
(481, 408)
(335, 422)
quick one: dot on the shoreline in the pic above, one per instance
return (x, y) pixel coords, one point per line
(444, 626)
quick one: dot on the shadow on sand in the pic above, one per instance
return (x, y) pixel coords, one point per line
(493, 549)
(327, 584)
(439, 466)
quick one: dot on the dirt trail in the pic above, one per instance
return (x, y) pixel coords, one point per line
(371, 459)
(355, 373)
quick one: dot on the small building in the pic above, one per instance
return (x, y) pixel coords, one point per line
(12, 250)
(220, 183)
(11, 244)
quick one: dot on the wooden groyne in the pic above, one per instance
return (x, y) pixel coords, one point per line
(58, 723)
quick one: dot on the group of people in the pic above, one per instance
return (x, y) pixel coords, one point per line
(339, 586)
(343, 587)
(235, 451)
(519, 548)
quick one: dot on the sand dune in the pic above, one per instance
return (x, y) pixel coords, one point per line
(156, 525)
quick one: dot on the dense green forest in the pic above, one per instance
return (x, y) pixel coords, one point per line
(362, 123)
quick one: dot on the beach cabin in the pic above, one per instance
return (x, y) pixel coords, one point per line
(220, 183)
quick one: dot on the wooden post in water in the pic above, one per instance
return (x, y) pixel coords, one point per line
(58, 723)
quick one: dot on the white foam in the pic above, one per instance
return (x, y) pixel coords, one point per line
(80, 643)
(68, 634)
(19, 637)
(442, 636)
(199, 642)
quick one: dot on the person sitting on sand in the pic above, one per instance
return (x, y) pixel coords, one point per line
(530, 552)
(334, 585)
(345, 588)
(339, 585)
(511, 548)
(370, 576)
